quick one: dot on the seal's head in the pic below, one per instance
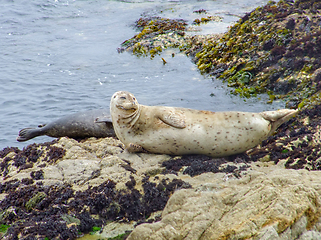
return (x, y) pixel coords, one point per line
(123, 101)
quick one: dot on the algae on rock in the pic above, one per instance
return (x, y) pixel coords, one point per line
(274, 49)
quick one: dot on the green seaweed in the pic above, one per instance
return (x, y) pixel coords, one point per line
(274, 49)
(120, 236)
(151, 30)
(310, 101)
(4, 228)
(206, 19)
(94, 230)
(268, 51)
(35, 200)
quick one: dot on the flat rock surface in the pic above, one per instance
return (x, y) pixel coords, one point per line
(220, 208)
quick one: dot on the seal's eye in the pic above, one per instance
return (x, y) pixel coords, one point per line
(134, 99)
(122, 97)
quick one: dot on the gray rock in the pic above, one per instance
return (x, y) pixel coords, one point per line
(310, 235)
(239, 208)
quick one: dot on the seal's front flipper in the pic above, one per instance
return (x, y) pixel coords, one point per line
(176, 119)
(103, 119)
(132, 148)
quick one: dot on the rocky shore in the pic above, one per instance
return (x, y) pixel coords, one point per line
(65, 188)
(90, 188)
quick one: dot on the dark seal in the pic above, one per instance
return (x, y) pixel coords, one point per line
(93, 123)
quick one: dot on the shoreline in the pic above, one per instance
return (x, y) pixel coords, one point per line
(66, 188)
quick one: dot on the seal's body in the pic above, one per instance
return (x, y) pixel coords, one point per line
(78, 125)
(178, 131)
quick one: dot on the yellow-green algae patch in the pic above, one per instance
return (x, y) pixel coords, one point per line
(207, 19)
(274, 49)
(156, 34)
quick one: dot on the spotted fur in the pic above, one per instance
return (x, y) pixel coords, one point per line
(178, 131)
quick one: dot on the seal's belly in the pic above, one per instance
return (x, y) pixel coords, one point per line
(218, 135)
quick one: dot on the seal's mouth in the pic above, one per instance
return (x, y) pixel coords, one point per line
(127, 108)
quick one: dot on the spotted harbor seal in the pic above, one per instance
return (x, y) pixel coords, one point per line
(179, 131)
(78, 125)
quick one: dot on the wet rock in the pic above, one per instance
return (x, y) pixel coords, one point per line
(115, 229)
(156, 34)
(159, 33)
(197, 164)
(297, 142)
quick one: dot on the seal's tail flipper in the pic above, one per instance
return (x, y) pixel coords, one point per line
(27, 134)
(278, 117)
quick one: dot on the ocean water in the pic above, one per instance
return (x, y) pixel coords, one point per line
(60, 57)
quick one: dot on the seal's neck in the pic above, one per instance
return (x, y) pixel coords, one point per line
(133, 117)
